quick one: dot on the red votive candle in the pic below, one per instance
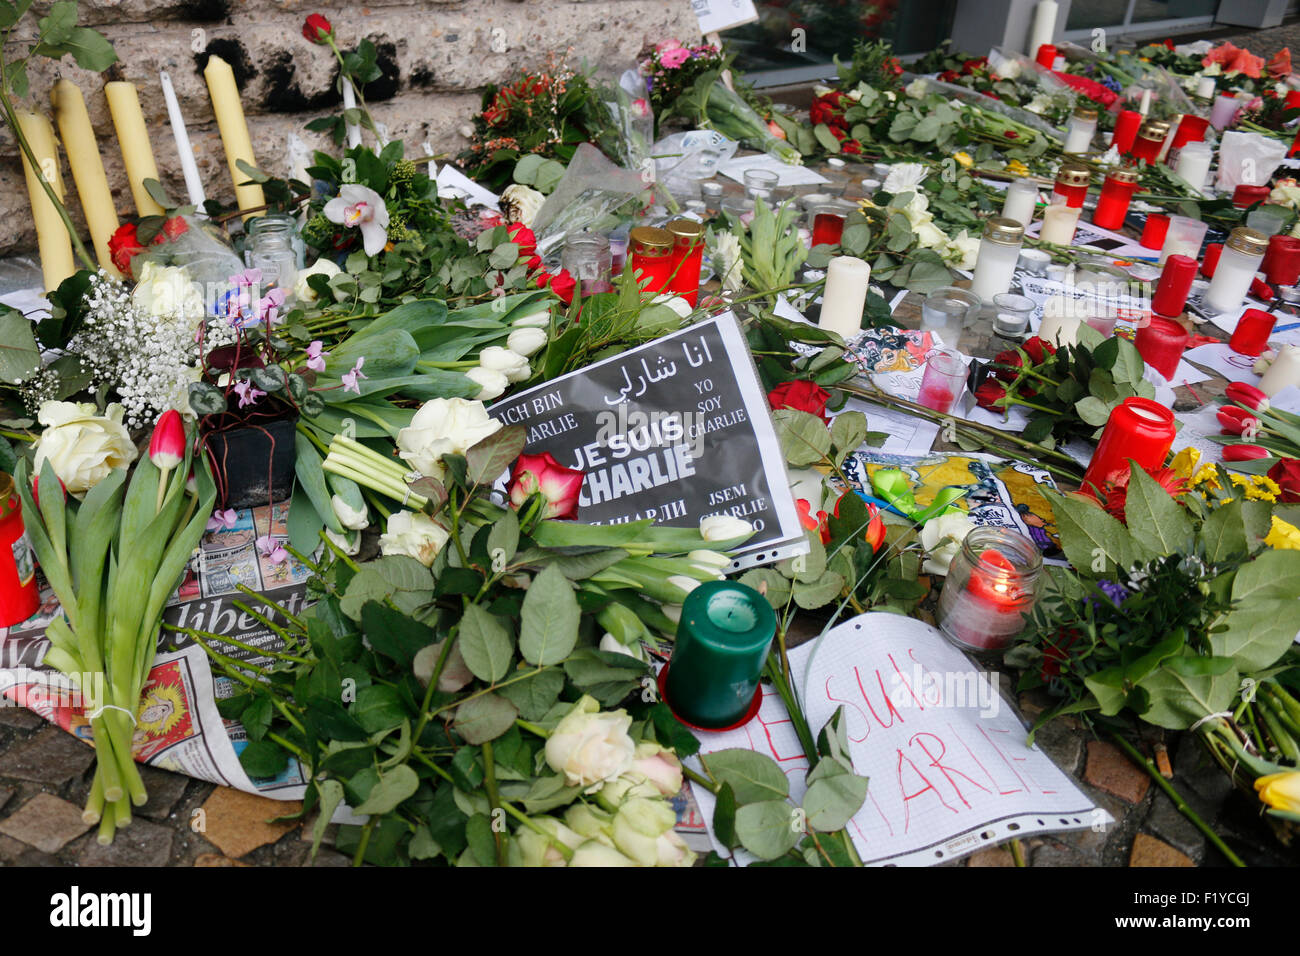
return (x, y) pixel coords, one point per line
(1191, 129)
(1139, 429)
(652, 256)
(1247, 195)
(1046, 55)
(1175, 283)
(1211, 260)
(687, 257)
(19, 596)
(1150, 141)
(1281, 265)
(1251, 334)
(1161, 344)
(1127, 124)
(1153, 232)
(1292, 100)
(828, 228)
(1116, 194)
(1072, 181)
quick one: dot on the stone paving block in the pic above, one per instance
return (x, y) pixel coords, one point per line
(1167, 822)
(1149, 851)
(45, 822)
(164, 789)
(1052, 854)
(1062, 740)
(141, 843)
(51, 757)
(329, 858)
(235, 822)
(19, 717)
(993, 856)
(11, 849)
(216, 859)
(5, 794)
(1109, 769)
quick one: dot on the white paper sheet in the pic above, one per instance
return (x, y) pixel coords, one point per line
(1223, 361)
(908, 434)
(452, 182)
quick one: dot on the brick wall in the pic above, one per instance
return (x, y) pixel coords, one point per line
(435, 55)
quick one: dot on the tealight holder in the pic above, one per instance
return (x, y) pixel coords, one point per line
(992, 584)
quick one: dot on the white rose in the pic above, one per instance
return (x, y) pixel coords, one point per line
(942, 537)
(916, 89)
(917, 210)
(492, 384)
(321, 267)
(639, 823)
(724, 528)
(526, 341)
(819, 90)
(963, 250)
(1286, 192)
(855, 95)
(590, 747)
(352, 518)
(658, 767)
(726, 255)
(520, 204)
(597, 854)
(443, 426)
(1008, 69)
(930, 236)
(509, 363)
(530, 848)
(612, 645)
(891, 95)
(674, 302)
(167, 291)
(82, 447)
(1038, 103)
(415, 534)
(905, 178)
(533, 320)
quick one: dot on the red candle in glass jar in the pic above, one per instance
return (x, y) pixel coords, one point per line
(1153, 231)
(1292, 100)
(1072, 181)
(1138, 429)
(652, 256)
(1046, 55)
(1127, 124)
(1281, 265)
(1116, 194)
(1247, 195)
(1161, 344)
(1250, 337)
(19, 597)
(1150, 140)
(1175, 283)
(1211, 260)
(687, 257)
(1191, 129)
(828, 226)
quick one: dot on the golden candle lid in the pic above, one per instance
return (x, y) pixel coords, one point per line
(651, 240)
(1008, 232)
(1155, 130)
(1086, 113)
(1252, 242)
(1073, 174)
(1125, 174)
(686, 229)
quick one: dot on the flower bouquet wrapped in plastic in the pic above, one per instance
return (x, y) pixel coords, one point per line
(711, 104)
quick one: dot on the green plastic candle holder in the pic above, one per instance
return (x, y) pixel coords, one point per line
(712, 681)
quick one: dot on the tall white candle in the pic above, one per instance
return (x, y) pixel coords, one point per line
(1021, 198)
(1284, 371)
(1059, 223)
(1205, 87)
(350, 103)
(1194, 163)
(1169, 139)
(193, 183)
(1044, 26)
(1145, 107)
(847, 278)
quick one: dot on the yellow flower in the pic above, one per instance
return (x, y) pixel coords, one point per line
(1281, 791)
(1283, 536)
(864, 204)
(1257, 487)
(1184, 463)
(1017, 167)
(964, 158)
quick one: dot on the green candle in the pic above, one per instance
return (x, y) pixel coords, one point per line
(722, 644)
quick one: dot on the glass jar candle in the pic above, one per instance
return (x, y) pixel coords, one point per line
(278, 224)
(845, 296)
(1193, 164)
(725, 632)
(588, 259)
(1080, 130)
(1059, 223)
(991, 585)
(1247, 195)
(1204, 87)
(1161, 343)
(1281, 265)
(1150, 141)
(1116, 194)
(996, 265)
(652, 257)
(687, 257)
(1071, 187)
(826, 220)
(1183, 238)
(1269, 218)
(1224, 110)
(1250, 337)
(1127, 124)
(1284, 371)
(1034, 261)
(943, 380)
(1011, 314)
(1153, 230)
(1138, 428)
(271, 251)
(945, 311)
(712, 192)
(19, 596)
(1238, 263)
(1174, 286)
(1020, 200)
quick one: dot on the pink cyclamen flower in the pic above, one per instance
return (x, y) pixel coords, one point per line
(270, 547)
(360, 207)
(316, 357)
(268, 307)
(223, 520)
(247, 392)
(350, 383)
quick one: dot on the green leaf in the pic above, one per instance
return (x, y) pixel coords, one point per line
(548, 629)
(377, 708)
(826, 138)
(263, 760)
(1128, 366)
(484, 718)
(1274, 574)
(331, 795)
(56, 27)
(724, 816)
(393, 787)
(1185, 689)
(397, 636)
(423, 845)
(834, 795)
(1224, 533)
(1092, 410)
(804, 438)
(256, 718)
(752, 776)
(812, 596)
(485, 644)
(1258, 632)
(769, 829)
(504, 255)
(535, 696)
(848, 430)
(489, 458)
(1153, 516)
(772, 585)
(482, 844)
(19, 356)
(503, 537)
(89, 48)
(1088, 533)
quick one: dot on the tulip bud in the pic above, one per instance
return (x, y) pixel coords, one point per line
(724, 528)
(1238, 421)
(511, 364)
(167, 447)
(533, 320)
(612, 645)
(355, 519)
(526, 341)
(492, 384)
(1247, 395)
(1244, 452)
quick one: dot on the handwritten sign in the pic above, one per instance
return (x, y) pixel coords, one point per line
(945, 752)
(715, 15)
(675, 430)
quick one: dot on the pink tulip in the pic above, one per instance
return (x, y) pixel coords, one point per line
(557, 484)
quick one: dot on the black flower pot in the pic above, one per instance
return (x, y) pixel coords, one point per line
(253, 463)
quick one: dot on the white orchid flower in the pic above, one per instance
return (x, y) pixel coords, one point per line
(362, 208)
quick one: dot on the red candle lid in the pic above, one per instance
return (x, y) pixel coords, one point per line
(1247, 195)
(1281, 265)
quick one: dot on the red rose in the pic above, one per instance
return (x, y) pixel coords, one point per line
(557, 484)
(1012, 358)
(852, 147)
(534, 263)
(317, 29)
(988, 394)
(803, 396)
(1038, 349)
(949, 76)
(524, 238)
(123, 246)
(172, 229)
(562, 284)
(1287, 475)
(1056, 652)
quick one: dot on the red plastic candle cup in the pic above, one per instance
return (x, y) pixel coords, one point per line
(1046, 55)
(1153, 233)
(1138, 429)
(1211, 260)
(1250, 337)
(1161, 344)
(687, 257)
(1292, 100)
(1281, 265)
(1072, 181)
(1174, 285)
(652, 256)
(1191, 129)
(1116, 194)
(19, 596)
(1150, 140)
(1247, 195)
(1127, 124)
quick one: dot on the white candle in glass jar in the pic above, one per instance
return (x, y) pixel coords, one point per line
(1205, 87)
(1061, 321)
(1059, 223)
(847, 278)
(1238, 263)
(1194, 163)
(1021, 198)
(1078, 134)
(1284, 371)
(998, 254)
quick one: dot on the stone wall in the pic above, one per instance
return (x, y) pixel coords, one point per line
(436, 56)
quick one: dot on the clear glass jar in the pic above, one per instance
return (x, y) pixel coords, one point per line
(587, 257)
(275, 224)
(992, 583)
(996, 265)
(272, 252)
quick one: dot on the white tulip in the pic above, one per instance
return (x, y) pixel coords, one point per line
(724, 528)
(510, 363)
(493, 383)
(355, 519)
(526, 341)
(533, 320)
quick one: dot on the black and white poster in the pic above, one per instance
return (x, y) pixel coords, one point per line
(676, 430)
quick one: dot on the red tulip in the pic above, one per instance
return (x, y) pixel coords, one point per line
(317, 29)
(1248, 395)
(557, 484)
(1244, 452)
(167, 447)
(1238, 421)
